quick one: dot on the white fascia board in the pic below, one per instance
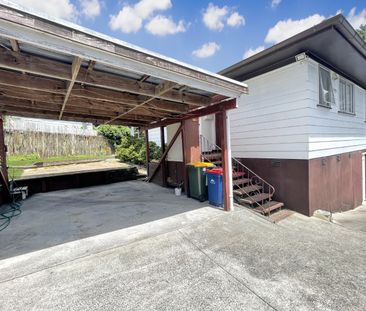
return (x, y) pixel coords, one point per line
(57, 44)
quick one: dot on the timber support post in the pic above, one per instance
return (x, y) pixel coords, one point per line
(4, 168)
(147, 151)
(163, 164)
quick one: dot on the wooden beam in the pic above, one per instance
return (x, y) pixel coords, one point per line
(4, 167)
(41, 84)
(160, 90)
(13, 111)
(166, 152)
(52, 109)
(75, 67)
(147, 146)
(59, 70)
(73, 103)
(225, 105)
(14, 45)
(225, 160)
(163, 164)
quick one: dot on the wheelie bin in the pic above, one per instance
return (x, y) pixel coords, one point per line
(197, 179)
(215, 187)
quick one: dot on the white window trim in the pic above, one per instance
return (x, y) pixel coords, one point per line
(344, 105)
(321, 102)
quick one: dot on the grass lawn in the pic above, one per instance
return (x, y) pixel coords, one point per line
(30, 159)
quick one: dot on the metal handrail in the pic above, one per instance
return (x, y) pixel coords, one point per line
(208, 148)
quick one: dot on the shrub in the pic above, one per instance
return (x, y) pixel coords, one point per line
(129, 148)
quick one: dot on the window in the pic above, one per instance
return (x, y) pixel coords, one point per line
(346, 102)
(326, 96)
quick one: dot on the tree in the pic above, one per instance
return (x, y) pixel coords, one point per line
(128, 148)
(362, 32)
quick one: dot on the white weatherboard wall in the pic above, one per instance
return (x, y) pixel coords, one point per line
(281, 117)
(176, 152)
(272, 121)
(207, 129)
(332, 132)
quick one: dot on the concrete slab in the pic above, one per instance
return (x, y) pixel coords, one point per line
(354, 219)
(54, 218)
(229, 261)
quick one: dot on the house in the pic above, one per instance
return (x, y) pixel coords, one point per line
(297, 140)
(302, 127)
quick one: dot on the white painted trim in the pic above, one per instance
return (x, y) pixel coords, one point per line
(228, 139)
(363, 177)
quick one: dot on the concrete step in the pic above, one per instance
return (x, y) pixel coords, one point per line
(268, 207)
(255, 198)
(247, 189)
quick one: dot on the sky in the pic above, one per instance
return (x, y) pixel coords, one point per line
(209, 34)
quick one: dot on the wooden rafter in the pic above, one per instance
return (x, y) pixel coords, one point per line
(14, 45)
(82, 111)
(75, 67)
(58, 70)
(159, 91)
(23, 84)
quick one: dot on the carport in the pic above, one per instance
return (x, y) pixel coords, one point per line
(57, 70)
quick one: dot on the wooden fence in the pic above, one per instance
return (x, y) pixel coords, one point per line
(55, 144)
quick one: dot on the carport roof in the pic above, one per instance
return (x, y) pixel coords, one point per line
(55, 69)
(333, 43)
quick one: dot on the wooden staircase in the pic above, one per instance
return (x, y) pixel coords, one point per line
(249, 189)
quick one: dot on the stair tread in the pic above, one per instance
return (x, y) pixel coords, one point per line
(240, 181)
(255, 198)
(212, 155)
(247, 189)
(268, 207)
(238, 174)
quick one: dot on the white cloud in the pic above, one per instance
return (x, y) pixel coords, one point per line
(90, 8)
(126, 20)
(146, 8)
(55, 8)
(275, 3)
(288, 28)
(161, 26)
(357, 20)
(130, 18)
(235, 20)
(250, 52)
(206, 50)
(214, 16)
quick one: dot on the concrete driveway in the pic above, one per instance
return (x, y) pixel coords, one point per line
(354, 219)
(225, 261)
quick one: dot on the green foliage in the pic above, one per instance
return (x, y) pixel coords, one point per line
(133, 150)
(362, 32)
(114, 133)
(15, 162)
(128, 148)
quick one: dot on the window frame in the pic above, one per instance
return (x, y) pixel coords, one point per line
(323, 103)
(344, 106)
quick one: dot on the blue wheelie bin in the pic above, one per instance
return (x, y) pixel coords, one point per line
(215, 187)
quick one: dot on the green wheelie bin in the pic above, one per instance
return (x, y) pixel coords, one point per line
(197, 179)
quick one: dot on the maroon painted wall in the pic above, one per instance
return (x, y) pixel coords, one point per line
(289, 177)
(174, 172)
(335, 182)
(331, 183)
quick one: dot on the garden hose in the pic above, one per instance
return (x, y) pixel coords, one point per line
(9, 212)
